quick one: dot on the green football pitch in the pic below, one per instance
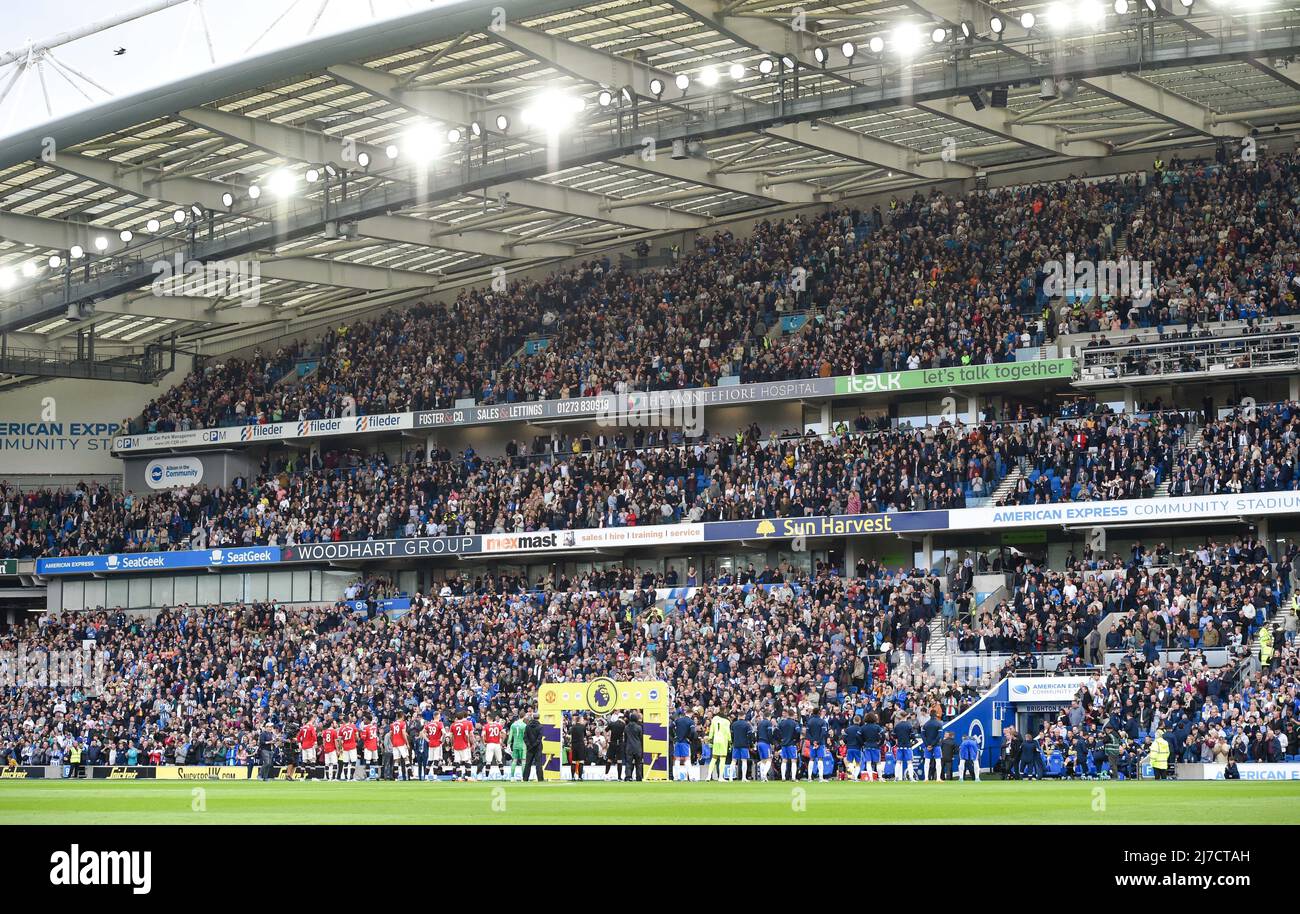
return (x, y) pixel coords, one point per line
(498, 803)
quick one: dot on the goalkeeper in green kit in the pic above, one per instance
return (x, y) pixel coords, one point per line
(517, 748)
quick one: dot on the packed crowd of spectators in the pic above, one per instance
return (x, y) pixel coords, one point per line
(650, 477)
(1106, 456)
(1252, 449)
(930, 281)
(192, 684)
(1217, 595)
(1222, 242)
(356, 497)
(1171, 710)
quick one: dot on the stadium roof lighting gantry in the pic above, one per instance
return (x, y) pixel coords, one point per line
(550, 111)
(424, 116)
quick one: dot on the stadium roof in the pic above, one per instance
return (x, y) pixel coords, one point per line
(820, 127)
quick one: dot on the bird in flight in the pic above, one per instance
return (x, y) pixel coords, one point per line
(119, 52)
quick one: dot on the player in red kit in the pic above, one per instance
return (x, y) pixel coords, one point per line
(329, 741)
(462, 746)
(492, 755)
(401, 748)
(433, 732)
(370, 740)
(307, 742)
(348, 753)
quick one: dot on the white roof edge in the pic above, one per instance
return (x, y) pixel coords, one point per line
(424, 27)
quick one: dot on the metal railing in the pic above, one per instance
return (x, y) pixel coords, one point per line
(1246, 354)
(146, 368)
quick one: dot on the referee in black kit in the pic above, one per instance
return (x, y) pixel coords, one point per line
(632, 748)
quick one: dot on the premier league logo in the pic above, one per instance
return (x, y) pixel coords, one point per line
(602, 695)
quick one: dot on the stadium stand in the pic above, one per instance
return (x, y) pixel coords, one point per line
(186, 685)
(606, 483)
(1167, 639)
(884, 291)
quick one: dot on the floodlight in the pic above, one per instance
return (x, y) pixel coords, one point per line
(1059, 16)
(1092, 14)
(906, 39)
(422, 142)
(282, 182)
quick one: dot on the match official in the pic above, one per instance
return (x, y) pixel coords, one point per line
(533, 746)
(632, 734)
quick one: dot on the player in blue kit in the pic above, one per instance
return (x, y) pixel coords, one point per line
(817, 731)
(873, 739)
(931, 736)
(764, 730)
(905, 734)
(683, 730)
(853, 747)
(787, 735)
(742, 739)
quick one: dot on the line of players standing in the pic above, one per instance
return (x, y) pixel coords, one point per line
(348, 748)
(787, 747)
(781, 747)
